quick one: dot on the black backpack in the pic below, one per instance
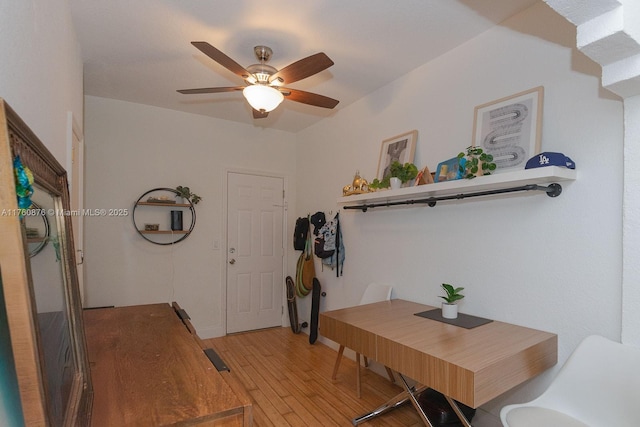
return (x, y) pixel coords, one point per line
(300, 233)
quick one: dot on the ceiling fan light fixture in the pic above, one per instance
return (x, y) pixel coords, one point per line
(262, 97)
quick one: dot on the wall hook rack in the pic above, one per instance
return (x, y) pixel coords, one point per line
(552, 190)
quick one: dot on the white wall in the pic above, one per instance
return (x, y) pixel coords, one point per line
(132, 148)
(605, 30)
(41, 69)
(551, 264)
(631, 286)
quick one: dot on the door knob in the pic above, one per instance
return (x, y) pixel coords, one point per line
(232, 261)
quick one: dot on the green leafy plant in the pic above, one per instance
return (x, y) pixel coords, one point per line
(476, 161)
(453, 294)
(186, 194)
(377, 184)
(405, 172)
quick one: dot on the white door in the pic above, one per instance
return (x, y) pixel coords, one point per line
(76, 189)
(255, 251)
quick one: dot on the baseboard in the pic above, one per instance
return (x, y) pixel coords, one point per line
(212, 332)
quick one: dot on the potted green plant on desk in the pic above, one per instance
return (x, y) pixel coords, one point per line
(450, 306)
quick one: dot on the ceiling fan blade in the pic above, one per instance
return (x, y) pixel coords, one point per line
(259, 114)
(303, 68)
(309, 98)
(222, 59)
(210, 90)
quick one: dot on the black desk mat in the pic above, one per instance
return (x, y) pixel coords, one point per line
(464, 320)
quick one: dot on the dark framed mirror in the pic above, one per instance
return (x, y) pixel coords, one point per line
(41, 294)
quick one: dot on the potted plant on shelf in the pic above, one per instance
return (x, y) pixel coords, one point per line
(401, 173)
(449, 306)
(477, 163)
(186, 194)
(397, 172)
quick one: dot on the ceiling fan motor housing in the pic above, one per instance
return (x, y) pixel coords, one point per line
(261, 72)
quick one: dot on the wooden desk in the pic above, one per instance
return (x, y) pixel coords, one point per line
(471, 366)
(148, 370)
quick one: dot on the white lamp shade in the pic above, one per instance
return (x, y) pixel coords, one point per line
(262, 98)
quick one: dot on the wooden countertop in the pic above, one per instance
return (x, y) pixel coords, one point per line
(148, 370)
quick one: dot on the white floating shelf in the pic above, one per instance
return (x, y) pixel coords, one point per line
(498, 182)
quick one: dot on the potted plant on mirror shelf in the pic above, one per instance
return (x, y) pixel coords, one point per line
(450, 306)
(477, 162)
(186, 194)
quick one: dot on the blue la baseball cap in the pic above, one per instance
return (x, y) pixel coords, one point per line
(550, 159)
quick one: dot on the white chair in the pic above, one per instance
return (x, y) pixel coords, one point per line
(373, 293)
(598, 386)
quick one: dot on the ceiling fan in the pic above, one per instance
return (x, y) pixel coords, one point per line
(264, 90)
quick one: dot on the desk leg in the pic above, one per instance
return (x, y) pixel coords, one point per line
(414, 401)
(358, 390)
(465, 422)
(410, 393)
(393, 403)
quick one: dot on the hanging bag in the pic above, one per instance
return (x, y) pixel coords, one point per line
(334, 241)
(301, 291)
(308, 267)
(300, 233)
(305, 269)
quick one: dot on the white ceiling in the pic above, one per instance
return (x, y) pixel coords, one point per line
(140, 51)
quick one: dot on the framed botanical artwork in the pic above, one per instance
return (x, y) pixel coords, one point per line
(400, 148)
(510, 128)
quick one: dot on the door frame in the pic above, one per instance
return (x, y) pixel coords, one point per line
(75, 132)
(224, 252)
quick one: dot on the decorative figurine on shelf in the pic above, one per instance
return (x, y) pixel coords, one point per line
(424, 177)
(358, 186)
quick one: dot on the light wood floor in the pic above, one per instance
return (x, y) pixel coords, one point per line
(290, 383)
